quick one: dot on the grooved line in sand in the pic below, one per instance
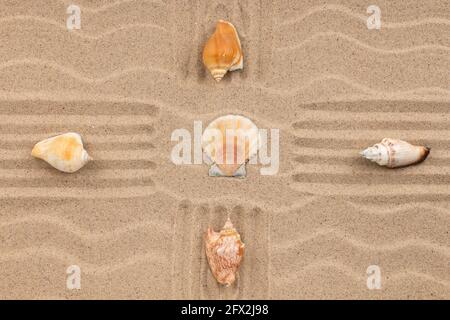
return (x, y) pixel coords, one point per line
(83, 35)
(363, 45)
(192, 260)
(342, 189)
(78, 76)
(111, 5)
(321, 79)
(361, 278)
(175, 110)
(182, 253)
(89, 268)
(363, 18)
(351, 240)
(84, 234)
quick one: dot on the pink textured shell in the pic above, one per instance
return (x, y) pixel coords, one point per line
(224, 251)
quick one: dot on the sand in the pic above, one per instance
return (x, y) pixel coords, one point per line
(134, 222)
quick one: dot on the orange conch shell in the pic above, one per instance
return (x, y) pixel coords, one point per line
(228, 143)
(64, 152)
(394, 153)
(224, 251)
(223, 52)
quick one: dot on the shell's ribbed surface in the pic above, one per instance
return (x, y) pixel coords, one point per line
(223, 52)
(394, 153)
(224, 251)
(218, 73)
(64, 152)
(229, 142)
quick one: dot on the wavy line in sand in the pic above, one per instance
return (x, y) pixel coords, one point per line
(299, 204)
(290, 92)
(96, 269)
(356, 243)
(111, 5)
(308, 199)
(78, 76)
(398, 208)
(82, 34)
(368, 98)
(354, 84)
(43, 297)
(69, 259)
(77, 193)
(73, 96)
(361, 277)
(346, 10)
(86, 235)
(131, 192)
(362, 44)
(363, 208)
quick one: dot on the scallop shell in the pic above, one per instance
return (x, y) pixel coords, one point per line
(224, 251)
(223, 52)
(64, 152)
(394, 153)
(228, 143)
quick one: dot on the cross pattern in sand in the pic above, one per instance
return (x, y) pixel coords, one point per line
(329, 80)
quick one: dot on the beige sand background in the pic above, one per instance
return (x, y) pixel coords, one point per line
(134, 222)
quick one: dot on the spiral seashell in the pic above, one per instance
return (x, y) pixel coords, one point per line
(224, 251)
(64, 152)
(394, 153)
(228, 143)
(223, 52)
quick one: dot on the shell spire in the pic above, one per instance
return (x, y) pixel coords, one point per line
(228, 225)
(224, 251)
(228, 143)
(223, 52)
(64, 152)
(394, 153)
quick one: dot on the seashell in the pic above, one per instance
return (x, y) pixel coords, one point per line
(223, 52)
(228, 143)
(64, 152)
(224, 251)
(394, 153)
